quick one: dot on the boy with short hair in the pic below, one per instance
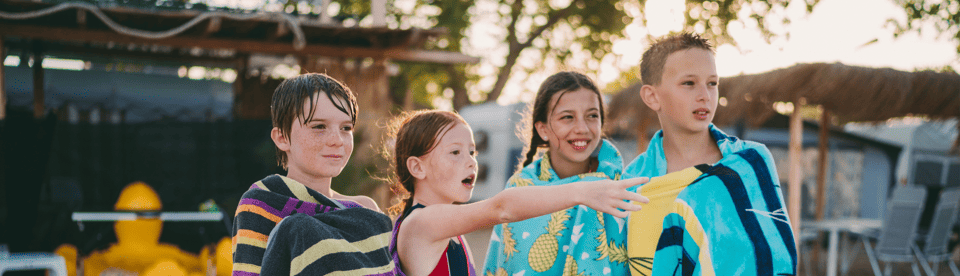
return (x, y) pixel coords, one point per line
(298, 216)
(717, 204)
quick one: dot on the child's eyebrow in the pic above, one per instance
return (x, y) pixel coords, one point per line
(695, 75)
(459, 144)
(321, 120)
(572, 111)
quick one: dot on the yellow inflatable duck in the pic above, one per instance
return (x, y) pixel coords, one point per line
(138, 251)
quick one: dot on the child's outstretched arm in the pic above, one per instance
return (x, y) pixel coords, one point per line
(443, 221)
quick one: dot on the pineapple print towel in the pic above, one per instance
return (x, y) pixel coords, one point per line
(722, 219)
(576, 241)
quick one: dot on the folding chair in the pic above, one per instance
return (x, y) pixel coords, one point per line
(895, 240)
(935, 243)
(808, 240)
(53, 263)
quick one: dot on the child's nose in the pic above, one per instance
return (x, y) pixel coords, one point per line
(334, 139)
(581, 126)
(703, 93)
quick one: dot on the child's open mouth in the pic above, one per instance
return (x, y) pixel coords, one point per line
(469, 181)
(579, 144)
(701, 114)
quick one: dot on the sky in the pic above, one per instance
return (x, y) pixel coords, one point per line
(836, 31)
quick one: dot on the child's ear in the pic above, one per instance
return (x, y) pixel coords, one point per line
(416, 167)
(278, 139)
(541, 130)
(650, 97)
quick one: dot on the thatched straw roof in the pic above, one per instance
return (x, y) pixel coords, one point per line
(851, 93)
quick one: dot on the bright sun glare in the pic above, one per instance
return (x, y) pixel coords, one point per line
(853, 32)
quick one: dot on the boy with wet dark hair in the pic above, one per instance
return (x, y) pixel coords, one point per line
(282, 218)
(288, 102)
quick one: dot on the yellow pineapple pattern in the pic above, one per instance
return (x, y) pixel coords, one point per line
(543, 253)
(517, 181)
(609, 249)
(509, 244)
(545, 168)
(593, 174)
(570, 267)
(500, 272)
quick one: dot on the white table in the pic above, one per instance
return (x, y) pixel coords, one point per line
(32, 261)
(164, 216)
(835, 226)
(80, 217)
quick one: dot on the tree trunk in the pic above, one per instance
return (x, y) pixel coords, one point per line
(457, 82)
(504, 74)
(516, 46)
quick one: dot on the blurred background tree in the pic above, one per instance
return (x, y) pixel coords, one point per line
(945, 17)
(579, 34)
(547, 28)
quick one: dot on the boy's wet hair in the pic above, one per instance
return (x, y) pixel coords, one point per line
(562, 83)
(653, 60)
(417, 134)
(288, 100)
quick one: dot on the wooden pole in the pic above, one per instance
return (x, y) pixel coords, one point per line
(795, 177)
(38, 108)
(642, 140)
(822, 163)
(822, 158)
(241, 64)
(3, 92)
(305, 65)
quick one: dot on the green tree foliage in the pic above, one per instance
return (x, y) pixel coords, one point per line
(595, 25)
(528, 25)
(428, 81)
(550, 29)
(711, 17)
(944, 15)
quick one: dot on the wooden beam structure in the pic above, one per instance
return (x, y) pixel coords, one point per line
(249, 46)
(281, 31)
(795, 176)
(213, 26)
(82, 19)
(241, 64)
(54, 48)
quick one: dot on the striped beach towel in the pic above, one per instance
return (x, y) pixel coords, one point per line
(276, 197)
(722, 219)
(343, 242)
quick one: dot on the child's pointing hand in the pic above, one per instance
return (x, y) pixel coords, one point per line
(612, 197)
